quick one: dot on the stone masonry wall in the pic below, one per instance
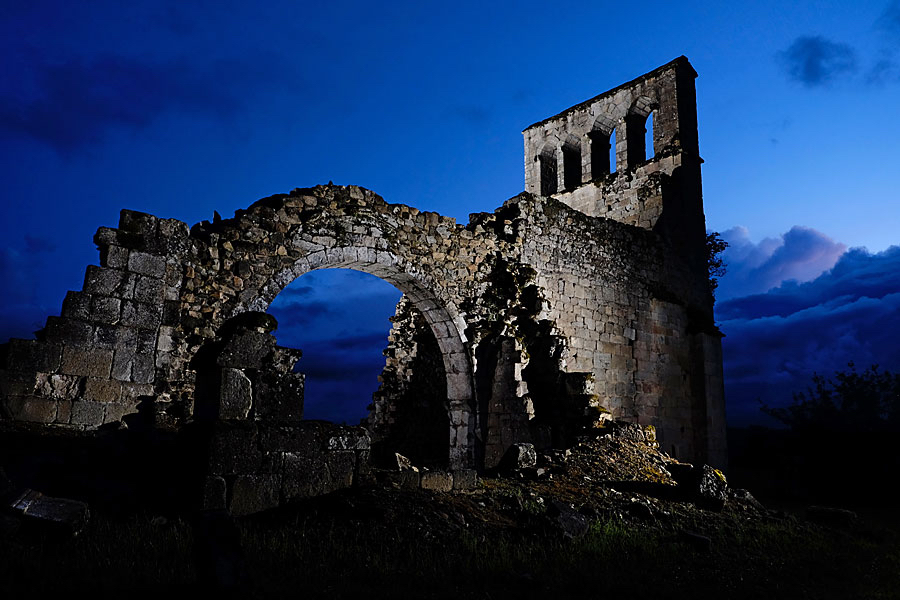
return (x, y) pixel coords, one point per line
(543, 315)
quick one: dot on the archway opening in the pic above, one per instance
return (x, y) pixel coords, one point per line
(635, 136)
(370, 358)
(603, 153)
(571, 165)
(548, 171)
(340, 319)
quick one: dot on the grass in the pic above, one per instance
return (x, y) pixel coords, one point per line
(310, 555)
(109, 555)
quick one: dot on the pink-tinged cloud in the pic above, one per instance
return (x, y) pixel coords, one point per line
(776, 341)
(801, 254)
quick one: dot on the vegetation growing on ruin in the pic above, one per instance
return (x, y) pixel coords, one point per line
(716, 266)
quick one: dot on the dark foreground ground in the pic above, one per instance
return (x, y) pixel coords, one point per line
(605, 522)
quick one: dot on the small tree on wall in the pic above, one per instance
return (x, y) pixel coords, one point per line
(716, 267)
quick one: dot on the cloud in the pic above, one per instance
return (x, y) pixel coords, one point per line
(816, 61)
(776, 341)
(883, 70)
(35, 244)
(297, 291)
(341, 376)
(74, 103)
(889, 21)
(857, 274)
(800, 254)
(298, 314)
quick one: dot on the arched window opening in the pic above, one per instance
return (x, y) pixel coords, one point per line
(635, 134)
(612, 152)
(649, 147)
(340, 319)
(602, 154)
(548, 170)
(571, 166)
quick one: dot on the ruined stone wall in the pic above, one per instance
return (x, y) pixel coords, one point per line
(544, 316)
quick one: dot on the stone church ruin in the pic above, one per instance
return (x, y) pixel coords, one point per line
(582, 299)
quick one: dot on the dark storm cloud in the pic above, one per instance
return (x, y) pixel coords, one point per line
(297, 291)
(377, 340)
(857, 274)
(301, 312)
(775, 342)
(73, 103)
(800, 254)
(815, 61)
(341, 376)
(35, 244)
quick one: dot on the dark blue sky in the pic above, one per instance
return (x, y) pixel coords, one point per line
(182, 108)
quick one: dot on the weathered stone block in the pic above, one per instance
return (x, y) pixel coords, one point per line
(304, 476)
(437, 481)
(117, 410)
(63, 411)
(141, 315)
(165, 339)
(105, 309)
(254, 493)
(121, 367)
(31, 409)
(85, 412)
(113, 257)
(105, 336)
(465, 479)
(405, 480)
(134, 392)
(102, 390)
(102, 281)
(247, 350)
(173, 236)
(88, 363)
(349, 438)
(235, 395)
(77, 305)
(303, 439)
(341, 469)
(234, 449)
(147, 264)
(149, 290)
(132, 221)
(143, 368)
(278, 397)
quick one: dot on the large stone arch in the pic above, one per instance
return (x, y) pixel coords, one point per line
(441, 315)
(293, 235)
